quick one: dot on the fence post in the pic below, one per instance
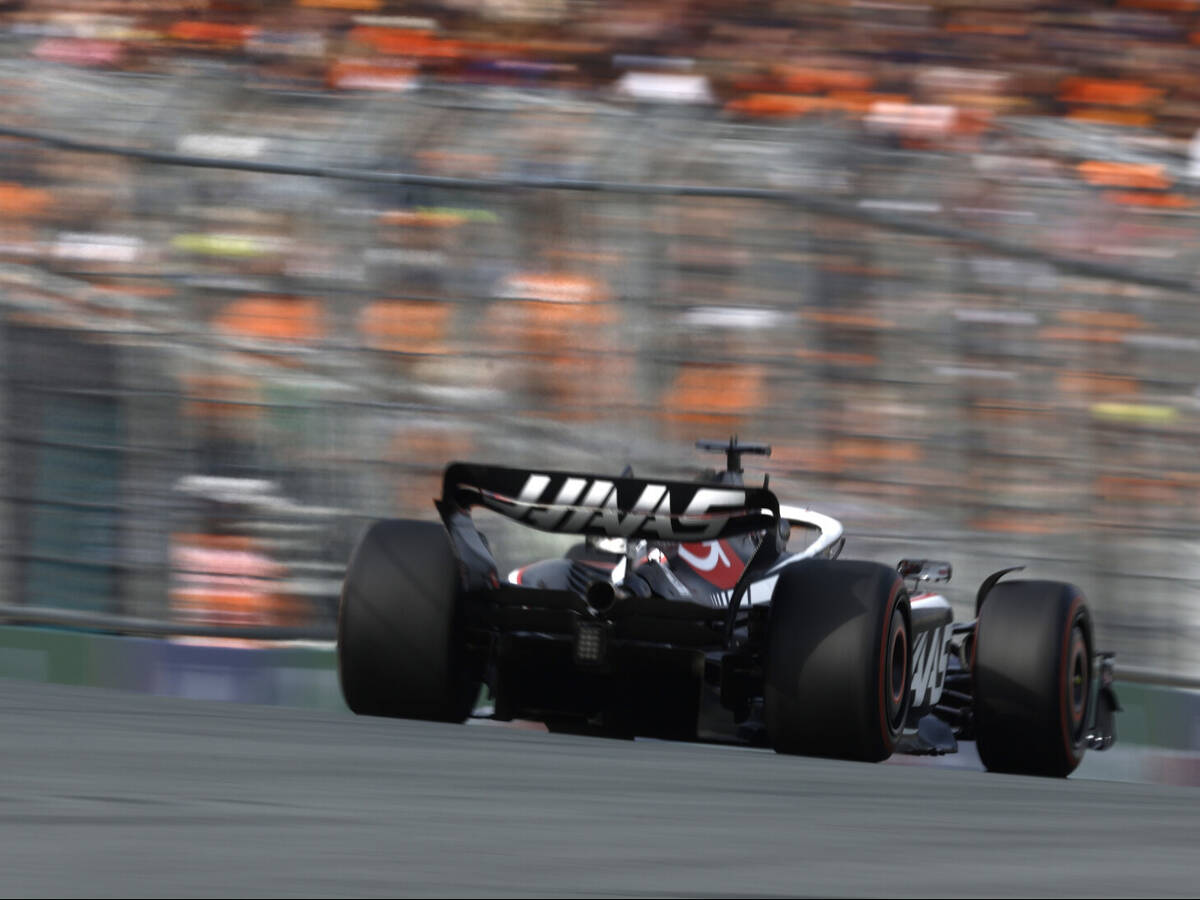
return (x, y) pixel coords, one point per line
(148, 414)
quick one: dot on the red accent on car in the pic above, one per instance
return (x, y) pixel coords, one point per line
(714, 561)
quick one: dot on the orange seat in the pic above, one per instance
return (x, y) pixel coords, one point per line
(1096, 384)
(810, 80)
(1130, 118)
(1107, 92)
(401, 326)
(407, 42)
(20, 202)
(273, 318)
(779, 105)
(210, 32)
(1127, 175)
(715, 394)
(361, 5)
(849, 319)
(1155, 201)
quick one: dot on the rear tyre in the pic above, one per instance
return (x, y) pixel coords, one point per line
(1033, 676)
(839, 667)
(400, 646)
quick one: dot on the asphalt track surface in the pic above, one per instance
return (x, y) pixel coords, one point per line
(114, 794)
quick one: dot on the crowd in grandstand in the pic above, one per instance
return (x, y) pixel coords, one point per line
(1125, 61)
(996, 393)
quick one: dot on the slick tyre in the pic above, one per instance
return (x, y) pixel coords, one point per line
(400, 646)
(838, 671)
(1033, 674)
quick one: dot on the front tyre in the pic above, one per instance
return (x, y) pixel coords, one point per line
(1033, 677)
(400, 646)
(838, 669)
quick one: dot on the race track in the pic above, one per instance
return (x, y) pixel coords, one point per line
(106, 793)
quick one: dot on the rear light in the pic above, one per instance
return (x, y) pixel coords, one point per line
(591, 643)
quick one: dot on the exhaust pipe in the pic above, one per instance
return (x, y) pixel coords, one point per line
(601, 596)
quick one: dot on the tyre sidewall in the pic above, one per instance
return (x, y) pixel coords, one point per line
(400, 646)
(827, 659)
(1022, 678)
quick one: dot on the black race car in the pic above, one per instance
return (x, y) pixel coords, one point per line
(683, 614)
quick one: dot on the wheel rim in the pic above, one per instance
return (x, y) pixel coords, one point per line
(897, 671)
(1077, 682)
(898, 668)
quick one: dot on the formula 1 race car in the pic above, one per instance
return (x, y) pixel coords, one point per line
(682, 614)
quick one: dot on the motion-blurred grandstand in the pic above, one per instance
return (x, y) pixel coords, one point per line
(213, 376)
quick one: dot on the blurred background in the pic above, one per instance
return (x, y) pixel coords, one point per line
(939, 254)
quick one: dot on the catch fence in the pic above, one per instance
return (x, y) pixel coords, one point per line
(238, 324)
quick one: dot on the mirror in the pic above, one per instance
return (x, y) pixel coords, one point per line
(932, 570)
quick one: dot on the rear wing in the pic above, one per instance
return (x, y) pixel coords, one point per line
(607, 506)
(624, 507)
